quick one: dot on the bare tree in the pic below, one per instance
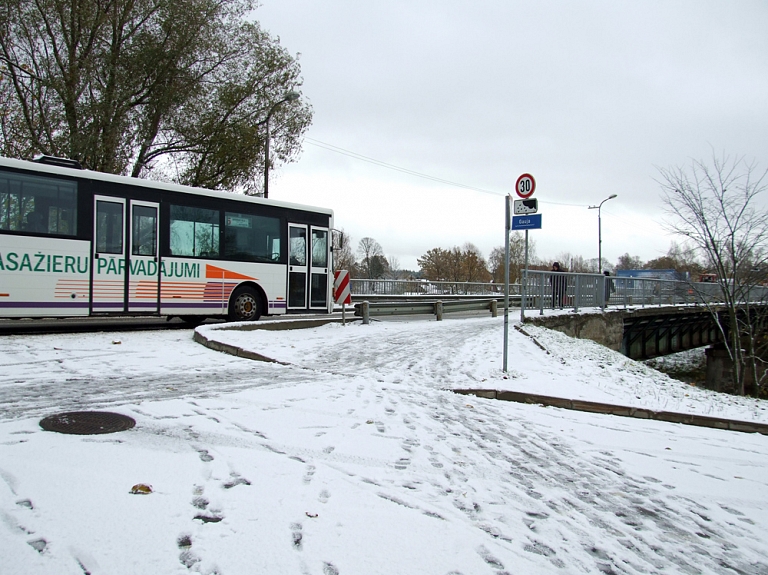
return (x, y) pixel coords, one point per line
(434, 264)
(682, 259)
(516, 258)
(716, 207)
(373, 264)
(576, 264)
(474, 264)
(393, 268)
(458, 265)
(343, 258)
(628, 262)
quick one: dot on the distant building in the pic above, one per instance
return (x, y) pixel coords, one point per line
(654, 274)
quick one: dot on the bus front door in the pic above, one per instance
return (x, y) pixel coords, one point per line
(297, 266)
(318, 280)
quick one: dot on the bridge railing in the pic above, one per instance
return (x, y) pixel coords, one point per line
(546, 289)
(567, 290)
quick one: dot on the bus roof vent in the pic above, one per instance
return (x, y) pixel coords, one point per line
(61, 162)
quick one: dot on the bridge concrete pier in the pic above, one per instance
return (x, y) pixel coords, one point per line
(719, 369)
(720, 372)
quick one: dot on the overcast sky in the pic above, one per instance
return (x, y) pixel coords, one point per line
(589, 97)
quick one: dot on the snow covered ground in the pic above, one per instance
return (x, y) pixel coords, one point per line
(356, 458)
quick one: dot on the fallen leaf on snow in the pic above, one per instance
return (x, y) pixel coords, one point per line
(141, 489)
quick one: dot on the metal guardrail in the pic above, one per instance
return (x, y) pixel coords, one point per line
(395, 290)
(438, 308)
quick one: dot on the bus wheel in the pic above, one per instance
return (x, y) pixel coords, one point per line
(244, 305)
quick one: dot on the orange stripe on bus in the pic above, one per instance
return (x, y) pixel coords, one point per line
(214, 272)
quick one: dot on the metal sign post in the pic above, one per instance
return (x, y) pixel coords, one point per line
(524, 286)
(524, 186)
(507, 228)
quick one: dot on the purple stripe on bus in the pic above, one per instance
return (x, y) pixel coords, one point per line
(193, 305)
(44, 304)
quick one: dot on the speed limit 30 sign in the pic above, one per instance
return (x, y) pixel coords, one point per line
(525, 186)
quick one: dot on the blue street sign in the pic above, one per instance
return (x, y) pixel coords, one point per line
(529, 222)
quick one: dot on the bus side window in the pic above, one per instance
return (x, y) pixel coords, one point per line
(36, 222)
(194, 231)
(37, 205)
(251, 237)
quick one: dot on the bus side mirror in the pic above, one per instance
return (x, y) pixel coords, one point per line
(337, 240)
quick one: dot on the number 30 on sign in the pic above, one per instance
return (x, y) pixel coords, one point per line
(525, 186)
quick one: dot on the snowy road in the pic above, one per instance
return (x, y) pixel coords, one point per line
(356, 459)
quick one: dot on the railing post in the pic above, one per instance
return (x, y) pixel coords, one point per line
(366, 314)
(439, 310)
(577, 295)
(494, 308)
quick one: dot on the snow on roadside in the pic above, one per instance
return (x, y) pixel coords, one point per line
(356, 459)
(467, 353)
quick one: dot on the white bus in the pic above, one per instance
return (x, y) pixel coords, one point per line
(79, 243)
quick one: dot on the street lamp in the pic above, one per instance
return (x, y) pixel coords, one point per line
(599, 232)
(289, 97)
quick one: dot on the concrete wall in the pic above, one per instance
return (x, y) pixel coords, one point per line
(604, 328)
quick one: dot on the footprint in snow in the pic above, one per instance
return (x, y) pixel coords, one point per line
(296, 535)
(234, 480)
(39, 545)
(402, 463)
(309, 474)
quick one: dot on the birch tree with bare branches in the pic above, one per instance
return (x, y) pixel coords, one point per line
(719, 207)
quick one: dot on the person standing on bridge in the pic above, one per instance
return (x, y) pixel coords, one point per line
(559, 285)
(609, 287)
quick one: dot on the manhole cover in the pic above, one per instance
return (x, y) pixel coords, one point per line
(87, 422)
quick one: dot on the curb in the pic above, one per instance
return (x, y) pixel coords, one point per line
(301, 323)
(232, 349)
(619, 410)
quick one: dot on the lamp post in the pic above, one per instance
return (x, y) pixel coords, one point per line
(289, 97)
(599, 232)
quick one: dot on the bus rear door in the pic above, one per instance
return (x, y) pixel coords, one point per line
(144, 265)
(297, 266)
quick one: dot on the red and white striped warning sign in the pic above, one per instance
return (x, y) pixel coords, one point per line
(341, 293)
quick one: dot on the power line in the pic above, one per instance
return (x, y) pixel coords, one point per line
(361, 157)
(376, 162)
